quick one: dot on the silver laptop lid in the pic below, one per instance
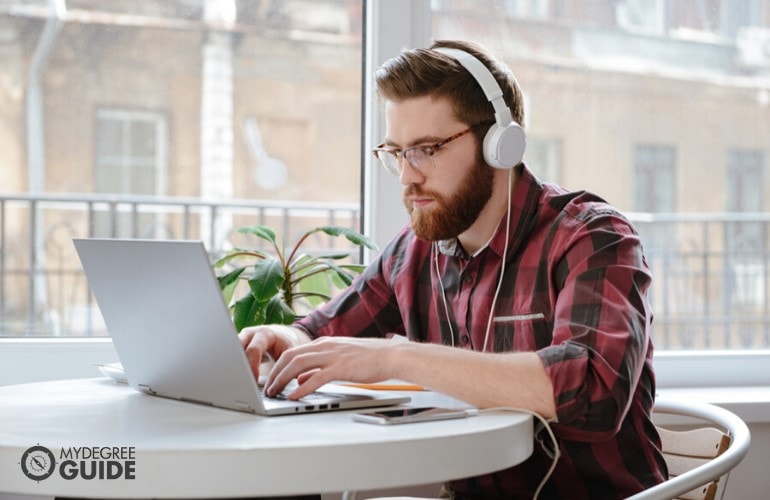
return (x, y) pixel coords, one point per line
(172, 331)
(146, 290)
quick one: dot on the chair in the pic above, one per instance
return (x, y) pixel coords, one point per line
(699, 460)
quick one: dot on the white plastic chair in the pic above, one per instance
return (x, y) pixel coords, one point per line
(701, 459)
(701, 472)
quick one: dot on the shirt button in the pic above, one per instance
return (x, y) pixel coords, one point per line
(465, 339)
(468, 279)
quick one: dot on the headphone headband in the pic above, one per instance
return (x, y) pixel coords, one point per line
(505, 141)
(486, 81)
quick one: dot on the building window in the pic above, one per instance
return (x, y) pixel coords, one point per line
(131, 160)
(745, 180)
(654, 178)
(744, 239)
(130, 157)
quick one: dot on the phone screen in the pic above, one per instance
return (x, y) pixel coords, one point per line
(401, 412)
(411, 415)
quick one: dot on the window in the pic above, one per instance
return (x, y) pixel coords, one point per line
(596, 88)
(746, 240)
(745, 181)
(130, 159)
(167, 119)
(655, 190)
(629, 99)
(654, 179)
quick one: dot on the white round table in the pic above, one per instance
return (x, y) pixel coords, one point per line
(183, 450)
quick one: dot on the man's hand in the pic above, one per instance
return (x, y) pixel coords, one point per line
(331, 358)
(269, 341)
(485, 380)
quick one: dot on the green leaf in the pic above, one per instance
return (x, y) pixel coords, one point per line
(247, 311)
(355, 268)
(274, 288)
(334, 256)
(263, 232)
(228, 282)
(239, 253)
(266, 280)
(351, 235)
(278, 312)
(232, 277)
(345, 277)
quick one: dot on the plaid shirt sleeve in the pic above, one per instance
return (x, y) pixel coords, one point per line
(601, 320)
(367, 308)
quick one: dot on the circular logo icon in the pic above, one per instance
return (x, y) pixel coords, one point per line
(38, 463)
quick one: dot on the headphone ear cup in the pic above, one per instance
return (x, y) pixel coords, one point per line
(504, 146)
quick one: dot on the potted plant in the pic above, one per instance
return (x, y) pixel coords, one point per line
(280, 285)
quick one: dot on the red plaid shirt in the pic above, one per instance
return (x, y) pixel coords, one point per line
(574, 291)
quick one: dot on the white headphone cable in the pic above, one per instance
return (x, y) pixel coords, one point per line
(547, 426)
(443, 293)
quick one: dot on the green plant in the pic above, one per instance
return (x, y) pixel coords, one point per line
(280, 285)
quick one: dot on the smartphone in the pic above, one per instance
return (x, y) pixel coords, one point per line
(412, 415)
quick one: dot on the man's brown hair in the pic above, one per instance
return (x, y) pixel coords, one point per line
(422, 72)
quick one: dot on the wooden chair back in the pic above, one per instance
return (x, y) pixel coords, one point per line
(686, 450)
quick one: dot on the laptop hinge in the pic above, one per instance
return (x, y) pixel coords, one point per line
(197, 401)
(245, 406)
(147, 389)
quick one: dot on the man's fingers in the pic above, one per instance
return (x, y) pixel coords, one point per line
(282, 373)
(245, 337)
(255, 351)
(295, 363)
(307, 383)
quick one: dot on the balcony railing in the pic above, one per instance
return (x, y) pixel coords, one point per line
(43, 291)
(710, 271)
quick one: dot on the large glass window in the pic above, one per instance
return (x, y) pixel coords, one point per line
(172, 119)
(255, 108)
(652, 104)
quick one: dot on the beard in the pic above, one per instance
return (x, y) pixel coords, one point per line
(453, 214)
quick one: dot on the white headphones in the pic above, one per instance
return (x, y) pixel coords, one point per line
(505, 141)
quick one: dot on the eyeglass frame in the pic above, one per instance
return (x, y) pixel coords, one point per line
(429, 149)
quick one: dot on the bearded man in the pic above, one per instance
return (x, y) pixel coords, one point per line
(513, 292)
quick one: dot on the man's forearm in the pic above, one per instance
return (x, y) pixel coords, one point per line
(516, 380)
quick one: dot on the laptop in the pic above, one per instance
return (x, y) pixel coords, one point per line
(172, 331)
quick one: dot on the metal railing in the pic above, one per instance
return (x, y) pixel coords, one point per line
(711, 281)
(43, 291)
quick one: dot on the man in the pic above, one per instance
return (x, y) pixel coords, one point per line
(514, 293)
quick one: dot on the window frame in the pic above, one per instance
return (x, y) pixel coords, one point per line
(390, 25)
(126, 118)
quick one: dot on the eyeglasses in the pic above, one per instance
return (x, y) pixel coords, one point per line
(419, 157)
